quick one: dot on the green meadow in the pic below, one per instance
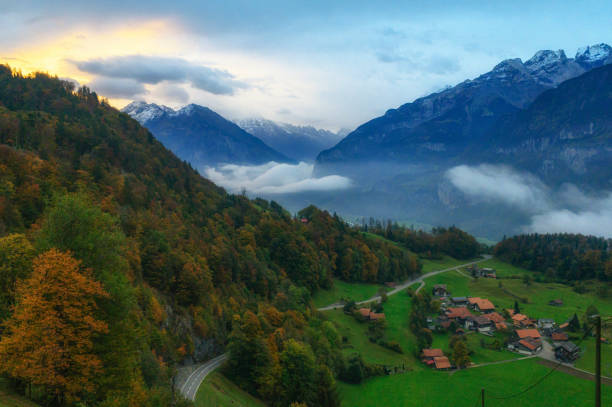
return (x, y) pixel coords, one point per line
(218, 391)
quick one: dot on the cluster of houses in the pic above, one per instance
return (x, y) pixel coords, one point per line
(479, 314)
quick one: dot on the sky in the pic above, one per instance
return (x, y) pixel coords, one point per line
(331, 64)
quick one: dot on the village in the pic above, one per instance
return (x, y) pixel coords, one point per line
(465, 315)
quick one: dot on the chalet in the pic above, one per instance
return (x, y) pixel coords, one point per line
(482, 324)
(364, 312)
(488, 273)
(439, 290)
(528, 346)
(559, 337)
(566, 351)
(528, 341)
(564, 325)
(494, 317)
(442, 363)
(546, 326)
(522, 321)
(498, 321)
(458, 314)
(428, 355)
(528, 333)
(376, 316)
(481, 304)
(556, 303)
(304, 220)
(368, 315)
(460, 301)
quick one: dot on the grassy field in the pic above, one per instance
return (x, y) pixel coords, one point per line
(587, 361)
(342, 289)
(462, 388)
(362, 291)
(218, 391)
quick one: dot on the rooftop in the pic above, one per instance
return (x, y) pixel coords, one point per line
(442, 362)
(528, 333)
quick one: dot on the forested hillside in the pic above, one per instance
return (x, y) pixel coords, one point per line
(564, 256)
(137, 263)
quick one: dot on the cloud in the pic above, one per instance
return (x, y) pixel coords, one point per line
(566, 210)
(500, 183)
(118, 88)
(153, 70)
(274, 178)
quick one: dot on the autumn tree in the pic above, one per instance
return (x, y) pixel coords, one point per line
(461, 354)
(48, 341)
(16, 254)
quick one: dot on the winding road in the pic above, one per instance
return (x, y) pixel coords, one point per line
(189, 388)
(406, 284)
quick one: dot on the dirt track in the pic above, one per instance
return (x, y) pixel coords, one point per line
(574, 372)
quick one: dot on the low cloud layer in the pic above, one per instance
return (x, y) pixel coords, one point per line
(274, 178)
(567, 209)
(153, 70)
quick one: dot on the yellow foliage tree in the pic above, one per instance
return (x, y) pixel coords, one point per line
(48, 341)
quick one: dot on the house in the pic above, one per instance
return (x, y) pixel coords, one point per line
(528, 333)
(442, 363)
(488, 273)
(522, 321)
(556, 303)
(559, 337)
(368, 315)
(428, 355)
(510, 311)
(439, 290)
(376, 316)
(546, 326)
(494, 317)
(459, 314)
(566, 351)
(529, 346)
(481, 304)
(304, 220)
(482, 324)
(564, 325)
(501, 326)
(364, 312)
(460, 301)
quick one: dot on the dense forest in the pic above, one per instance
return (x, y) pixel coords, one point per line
(137, 264)
(560, 256)
(451, 241)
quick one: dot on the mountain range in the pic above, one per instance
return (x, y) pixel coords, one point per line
(546, 117)
(302, 143)
(437, 127)
(201, 136)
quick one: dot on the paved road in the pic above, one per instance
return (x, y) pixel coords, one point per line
(189, 389)
(407, 284)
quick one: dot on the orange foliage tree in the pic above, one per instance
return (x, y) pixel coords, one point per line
(48, 341)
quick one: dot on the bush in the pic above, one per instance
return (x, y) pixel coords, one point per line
(392, 345)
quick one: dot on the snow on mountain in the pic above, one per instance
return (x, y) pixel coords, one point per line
(143, 111)
(300, 142)
(594, 55)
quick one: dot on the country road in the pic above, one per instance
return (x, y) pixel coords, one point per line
(407, 284)
(189, 389)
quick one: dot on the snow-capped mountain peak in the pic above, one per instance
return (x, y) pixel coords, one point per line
(143, 111)
(545, 58)
(594, 55)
